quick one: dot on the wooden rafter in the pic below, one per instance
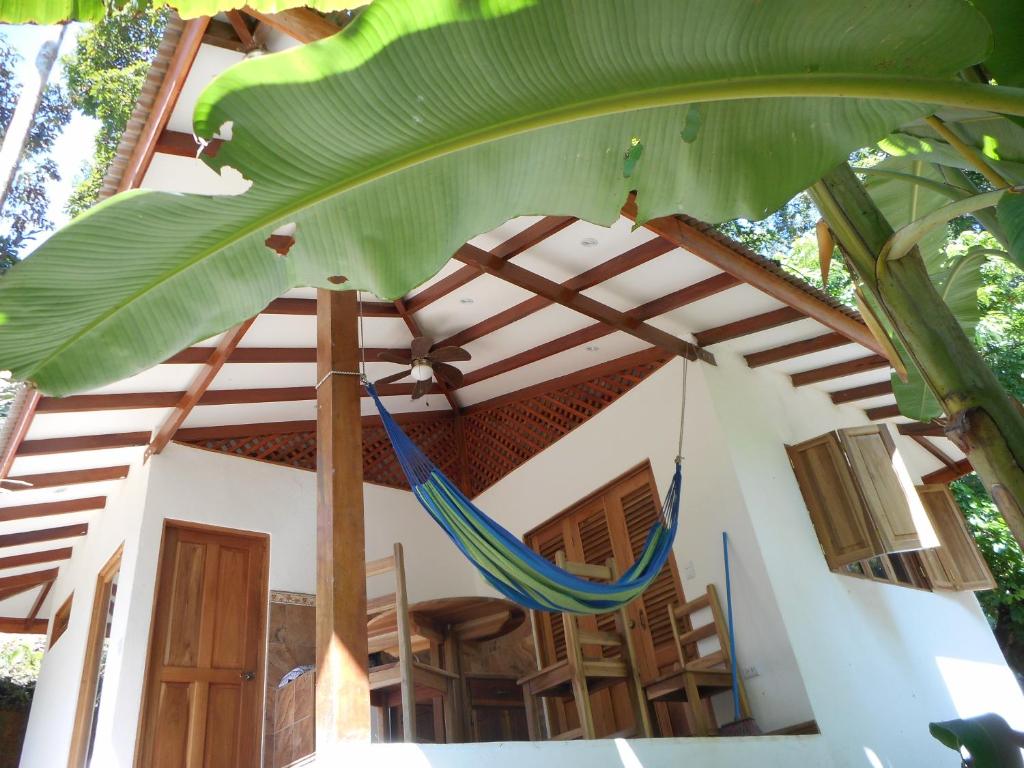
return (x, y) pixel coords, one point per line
(528, 238)
(934, 450)
(922, 428)
(619, 321)
(38, 603)
(839, 370)
(302, 24)
(83, 443)
(68, 477)
(18, 431)
(238, 23)
(863, 392)
(613, 267)
(46, 508)
(181, 144)
(748, 325)
(948, 474)
(714, 249)
(883, 412)
(177, 73)
(35, 558)
(18, 626)
(220, 34)
(262, 355)
(165, 432)
(44, 534)
(796, 349)
(295, 306)
(32, 579)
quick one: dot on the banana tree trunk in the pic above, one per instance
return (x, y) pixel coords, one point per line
(982, 419)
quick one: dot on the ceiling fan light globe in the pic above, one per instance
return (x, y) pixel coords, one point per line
(421, 371)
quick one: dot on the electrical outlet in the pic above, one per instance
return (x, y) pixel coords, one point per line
(689, 572)
(748, 672)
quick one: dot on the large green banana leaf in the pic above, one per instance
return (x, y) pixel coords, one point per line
(426, 123)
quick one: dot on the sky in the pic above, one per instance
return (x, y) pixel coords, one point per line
(75, 145)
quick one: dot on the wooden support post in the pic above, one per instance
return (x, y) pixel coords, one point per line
(342, 678)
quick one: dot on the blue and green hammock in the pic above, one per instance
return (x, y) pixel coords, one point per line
(507, 563)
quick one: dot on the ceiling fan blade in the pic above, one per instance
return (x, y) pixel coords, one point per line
(392, 378)
(449, 374)
(420, 388)
(402, 357)
(449, 355)
(421, 346)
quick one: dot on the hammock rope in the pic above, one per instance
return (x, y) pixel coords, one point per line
(510, 566)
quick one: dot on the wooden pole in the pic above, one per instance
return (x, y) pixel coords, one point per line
(342, 680)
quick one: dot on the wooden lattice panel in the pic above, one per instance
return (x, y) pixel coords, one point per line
(498, 438)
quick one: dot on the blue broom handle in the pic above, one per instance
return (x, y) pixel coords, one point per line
(732, 636)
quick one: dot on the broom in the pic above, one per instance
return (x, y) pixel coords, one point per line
(740, 726)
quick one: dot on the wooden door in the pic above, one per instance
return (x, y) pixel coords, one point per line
(613, 522)
(204, 683)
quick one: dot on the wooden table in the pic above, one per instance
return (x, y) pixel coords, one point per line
(441, 626)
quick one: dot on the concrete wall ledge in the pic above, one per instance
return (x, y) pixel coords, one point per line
(762, 751)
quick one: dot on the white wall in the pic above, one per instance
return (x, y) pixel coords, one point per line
(205, 487)
(879, 661)
(644, 424)
(48, 738)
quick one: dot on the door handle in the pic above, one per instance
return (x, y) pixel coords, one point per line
(247, 675)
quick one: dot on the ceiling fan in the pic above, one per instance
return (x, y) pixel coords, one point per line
(424, 365)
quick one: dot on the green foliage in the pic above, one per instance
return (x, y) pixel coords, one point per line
(25, 214)
(104, 75)
(774, 235)
(988, 739)
(436, 170)
(20, 659)
(1004, 605)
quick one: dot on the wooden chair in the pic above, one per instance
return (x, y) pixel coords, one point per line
(699, 676)
(581, 674)
(402, 683)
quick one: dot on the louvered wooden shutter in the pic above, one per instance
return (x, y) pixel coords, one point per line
(641, 508)
(596, 541)
(551, 631)
(896, 511)
(956, 563)
(837, 512)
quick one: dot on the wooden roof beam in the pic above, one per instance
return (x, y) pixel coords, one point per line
(135, 400)
(659, 306)
(613, 267)
(877, 389)
(20, 626)
(729, 259)
(27, 580)
(45, 509)
(796, 349)
(839, 370)
(181, 144)
(83, 443)
(922, 428)
(883, 412)
(748, 325)
(259, 355)
(528, 238)
(69, 477)
(44, 534)
(35, 558)
(948, 474)
(165, 432)
(302, 24)
(619, 321)
(286, 305)
(26, 402)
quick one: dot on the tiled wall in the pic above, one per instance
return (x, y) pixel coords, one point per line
(292, 643)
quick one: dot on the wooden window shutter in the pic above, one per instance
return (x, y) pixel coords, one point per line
(837, 511)
(641, 508)
(551, 632)
(956, 563)
(896, 511)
